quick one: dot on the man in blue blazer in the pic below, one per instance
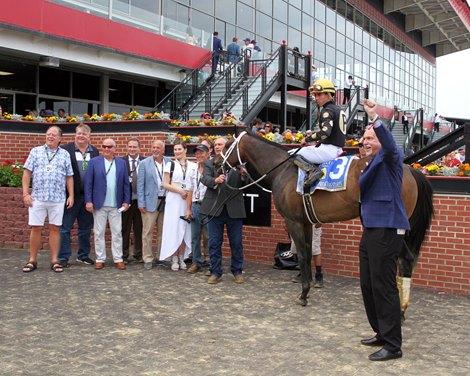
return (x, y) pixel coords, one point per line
(385, 221)
(107, 194)
(151, 200)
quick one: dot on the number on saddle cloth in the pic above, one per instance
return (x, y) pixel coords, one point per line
(334, 178)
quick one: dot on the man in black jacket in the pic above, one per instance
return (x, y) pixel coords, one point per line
(81, 151)
(223, 207)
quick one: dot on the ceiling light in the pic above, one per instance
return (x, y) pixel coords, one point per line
(3, 73)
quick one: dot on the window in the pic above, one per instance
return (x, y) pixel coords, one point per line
(49, 80)
(245, 16)
(264, 25)
(144, 95)
(280, 11)
(120, 92)
(85, 86)
(225, 10)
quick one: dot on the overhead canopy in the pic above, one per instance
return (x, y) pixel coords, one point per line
(443, 23)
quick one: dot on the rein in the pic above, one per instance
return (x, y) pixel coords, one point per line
(234, 145)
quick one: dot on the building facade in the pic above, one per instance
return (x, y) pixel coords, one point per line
(97, 56)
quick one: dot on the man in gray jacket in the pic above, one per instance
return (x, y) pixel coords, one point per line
(151, 200)
(223, 207)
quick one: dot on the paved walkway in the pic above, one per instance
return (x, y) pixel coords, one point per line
(159, 322)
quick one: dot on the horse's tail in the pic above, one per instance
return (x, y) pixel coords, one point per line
(420, 221)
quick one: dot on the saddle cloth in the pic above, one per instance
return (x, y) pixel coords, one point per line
(335, 173)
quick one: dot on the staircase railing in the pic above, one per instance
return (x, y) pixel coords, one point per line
(353, 106)
(417, 128)
(265, 71)
(193, 84)
(454, 140)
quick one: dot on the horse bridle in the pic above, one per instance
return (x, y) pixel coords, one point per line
(225, 161)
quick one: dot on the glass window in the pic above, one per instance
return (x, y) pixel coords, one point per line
(319, 53)
(264, 25)
(307, 43)
(85, 86)
(330, 56)
(206, 6)
(279, 31)
(49, 80)
(225, 10)
(294, 38)
(19, 76)
(340, 59)
(340, 42)
(307, 7)
(265, 6)
(203, 22)
(23, 102)
(330, 36)
(245, 16)
(340, 24)
(357, 52)
(121, 6)
(349, 29)
(144, 95)
(280, 11)
(330, 18)
(319, 11)
(296, 3)
(295, 17)
(120, 92)
(349, 47)
(174, 12)
(320, 31)
(146, 10)
(307, 24)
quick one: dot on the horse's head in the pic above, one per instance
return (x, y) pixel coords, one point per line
(231, 156)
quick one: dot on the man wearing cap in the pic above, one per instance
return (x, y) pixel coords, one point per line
(255, 47)
(327, 141)
(247, 48)
(197, 194)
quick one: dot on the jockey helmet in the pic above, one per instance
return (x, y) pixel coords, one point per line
(322, 86)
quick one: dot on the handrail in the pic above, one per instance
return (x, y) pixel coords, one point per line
(418, 123)
(352, 107)
(454, 140)
(260, 73)
(193, 81)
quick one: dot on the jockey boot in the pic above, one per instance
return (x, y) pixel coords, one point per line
(313, 173)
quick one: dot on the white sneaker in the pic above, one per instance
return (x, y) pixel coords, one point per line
(174, 263)
(182, 264)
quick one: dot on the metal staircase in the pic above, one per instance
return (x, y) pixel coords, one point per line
(243, 87)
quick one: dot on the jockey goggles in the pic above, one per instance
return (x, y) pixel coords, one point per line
(317, 88)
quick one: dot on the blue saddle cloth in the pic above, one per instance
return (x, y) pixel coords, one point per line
(334, 178)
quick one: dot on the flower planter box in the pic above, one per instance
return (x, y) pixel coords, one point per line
(450, 184)
(160, 125)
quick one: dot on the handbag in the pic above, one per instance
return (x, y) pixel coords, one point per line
(161, 204)
(284, 259)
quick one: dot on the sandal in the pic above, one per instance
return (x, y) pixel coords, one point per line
(30, 266)
(57, 268)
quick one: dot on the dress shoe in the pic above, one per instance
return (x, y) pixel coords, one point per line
(238, 278)
(214, 279)
(99, 265)
(374, 341)
(194, 268)
(208, 273)
(384, 354)
(120, 265)
(148, 265)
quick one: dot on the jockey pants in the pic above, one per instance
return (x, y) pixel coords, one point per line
(320, 154)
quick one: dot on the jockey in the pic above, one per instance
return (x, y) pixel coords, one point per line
(330, 136)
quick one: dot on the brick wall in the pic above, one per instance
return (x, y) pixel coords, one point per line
(444, 263)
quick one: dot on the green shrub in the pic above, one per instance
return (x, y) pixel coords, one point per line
(11, 174)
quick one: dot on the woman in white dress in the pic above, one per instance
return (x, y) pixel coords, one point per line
(176, 234)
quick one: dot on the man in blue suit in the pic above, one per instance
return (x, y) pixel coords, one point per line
(216, 49)
(151, 198)
(385, 222)
(107, 194)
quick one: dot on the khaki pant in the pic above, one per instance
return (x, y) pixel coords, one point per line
(149, 219)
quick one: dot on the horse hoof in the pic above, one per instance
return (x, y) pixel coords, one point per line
(302, 302)
(403, 317)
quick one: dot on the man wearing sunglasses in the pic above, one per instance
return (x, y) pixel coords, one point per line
(329, 137)
(107, 195)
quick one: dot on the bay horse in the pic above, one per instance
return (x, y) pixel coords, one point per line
(279, 174)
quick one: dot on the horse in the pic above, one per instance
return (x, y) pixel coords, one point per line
(279, 174)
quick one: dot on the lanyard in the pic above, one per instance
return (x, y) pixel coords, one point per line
(158, 171)
(110, 166)
(84, 161)
(183, 169)
(53, 154)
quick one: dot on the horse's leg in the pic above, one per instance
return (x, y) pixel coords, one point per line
(406, 262)
(302, 236)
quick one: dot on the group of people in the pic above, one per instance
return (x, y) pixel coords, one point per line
(191, 195)
(187, 201)
(234, 50)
